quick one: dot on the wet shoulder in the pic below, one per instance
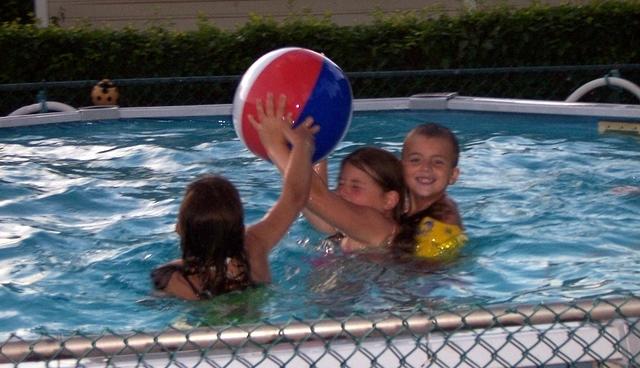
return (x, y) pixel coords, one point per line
(161, 275)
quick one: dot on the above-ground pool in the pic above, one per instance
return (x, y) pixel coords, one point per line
(88, 208)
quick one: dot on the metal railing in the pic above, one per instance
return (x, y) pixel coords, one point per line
(544, 82)
(599, 331)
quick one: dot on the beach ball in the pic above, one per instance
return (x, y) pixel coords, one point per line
(314, 85)
(104, 93)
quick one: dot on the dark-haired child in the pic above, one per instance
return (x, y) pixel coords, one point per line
(365, 207)
(220, 254)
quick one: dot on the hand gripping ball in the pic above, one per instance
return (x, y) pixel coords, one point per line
(314, 86)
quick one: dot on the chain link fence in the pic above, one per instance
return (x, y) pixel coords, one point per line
(588, 333)
(547, 83)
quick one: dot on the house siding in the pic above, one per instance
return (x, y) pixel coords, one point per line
(184, 14)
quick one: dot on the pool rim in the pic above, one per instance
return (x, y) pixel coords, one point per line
(432, 101)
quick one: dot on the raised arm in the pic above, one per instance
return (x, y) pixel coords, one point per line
(320, 169)
(364, 224)
(361, 223)
(262, 236)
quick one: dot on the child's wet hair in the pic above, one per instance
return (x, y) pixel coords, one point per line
(434, 130)
(383, 167)
(211, 228)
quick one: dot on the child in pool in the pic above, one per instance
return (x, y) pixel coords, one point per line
(367, 204)
(431, 227)
(220, 254)
(368, 177)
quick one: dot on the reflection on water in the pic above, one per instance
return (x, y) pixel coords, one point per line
(87, 210)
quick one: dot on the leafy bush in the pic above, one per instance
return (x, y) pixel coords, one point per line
(600, 32)
(19, 11)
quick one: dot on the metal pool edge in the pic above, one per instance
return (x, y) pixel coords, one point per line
(436, 101)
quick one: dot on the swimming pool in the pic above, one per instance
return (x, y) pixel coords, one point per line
(87, 209)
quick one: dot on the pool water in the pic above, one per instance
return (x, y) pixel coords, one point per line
(87, 210)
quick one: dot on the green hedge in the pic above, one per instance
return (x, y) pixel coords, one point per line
(602, 32)
(20, 11)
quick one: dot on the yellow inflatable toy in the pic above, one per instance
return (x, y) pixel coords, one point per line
(437, 240)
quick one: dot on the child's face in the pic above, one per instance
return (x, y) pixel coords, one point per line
(356, 186)
(427, 164)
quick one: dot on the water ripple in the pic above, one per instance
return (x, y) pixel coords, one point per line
(88, 210)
